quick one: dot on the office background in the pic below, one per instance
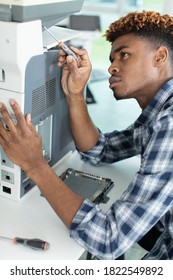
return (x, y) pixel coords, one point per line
(110, 10)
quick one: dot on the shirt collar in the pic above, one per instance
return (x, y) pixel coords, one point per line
(155, 106)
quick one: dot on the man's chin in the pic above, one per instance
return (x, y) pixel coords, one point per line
(117, 97)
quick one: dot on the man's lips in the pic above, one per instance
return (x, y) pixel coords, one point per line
(114, 81)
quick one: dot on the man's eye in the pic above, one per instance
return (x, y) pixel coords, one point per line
(124, 54)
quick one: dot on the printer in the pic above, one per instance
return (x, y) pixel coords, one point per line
(29, 74)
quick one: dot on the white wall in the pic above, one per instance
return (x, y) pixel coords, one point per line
(168, 7)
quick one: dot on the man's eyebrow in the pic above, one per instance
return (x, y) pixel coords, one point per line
(118, 50)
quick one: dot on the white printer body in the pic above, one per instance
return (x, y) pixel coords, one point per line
(29, 74)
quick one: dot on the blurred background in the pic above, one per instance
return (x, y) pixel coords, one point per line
(110, 10)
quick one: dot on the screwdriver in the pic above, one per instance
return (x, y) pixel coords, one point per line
(61, 44)
(34, 243)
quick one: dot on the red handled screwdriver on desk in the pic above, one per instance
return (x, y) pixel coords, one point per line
(34, 243)
(62, 45)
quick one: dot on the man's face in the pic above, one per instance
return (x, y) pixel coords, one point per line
(133, 72)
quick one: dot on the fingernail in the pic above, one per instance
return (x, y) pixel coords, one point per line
(11, 101)
(29, 117)
(69, 59)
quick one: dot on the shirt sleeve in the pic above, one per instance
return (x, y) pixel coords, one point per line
(148, 197)
(111, 147)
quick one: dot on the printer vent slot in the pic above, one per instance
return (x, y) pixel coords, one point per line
(38, 101)
(50, 93)
(43, 97)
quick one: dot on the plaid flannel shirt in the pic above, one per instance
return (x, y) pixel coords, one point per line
(148, 200)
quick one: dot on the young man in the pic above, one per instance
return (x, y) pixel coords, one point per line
(142, 68)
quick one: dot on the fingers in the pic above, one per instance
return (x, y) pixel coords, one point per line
(6, 120)
(72, 65)
(9, 121)
(2, 129)
(61, 58)
(28, 120)
(18, 113)
(81, 54)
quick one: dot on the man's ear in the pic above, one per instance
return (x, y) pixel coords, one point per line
(161, 55)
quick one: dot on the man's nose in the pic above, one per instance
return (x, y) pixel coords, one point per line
(113, 68)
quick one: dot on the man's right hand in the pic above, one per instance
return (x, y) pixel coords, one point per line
(75, 73)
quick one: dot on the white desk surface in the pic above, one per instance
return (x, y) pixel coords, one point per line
(32, 216)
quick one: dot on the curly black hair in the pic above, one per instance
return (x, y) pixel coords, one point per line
(151, 25)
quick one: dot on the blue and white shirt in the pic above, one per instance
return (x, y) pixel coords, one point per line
(148, 200)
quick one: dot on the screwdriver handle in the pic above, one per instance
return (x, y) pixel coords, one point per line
(67, 49)
(32, 243)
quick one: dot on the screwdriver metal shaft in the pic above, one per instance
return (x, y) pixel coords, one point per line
(61, 44)
(33, 243)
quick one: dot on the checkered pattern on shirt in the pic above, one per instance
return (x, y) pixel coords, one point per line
(148, 200)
